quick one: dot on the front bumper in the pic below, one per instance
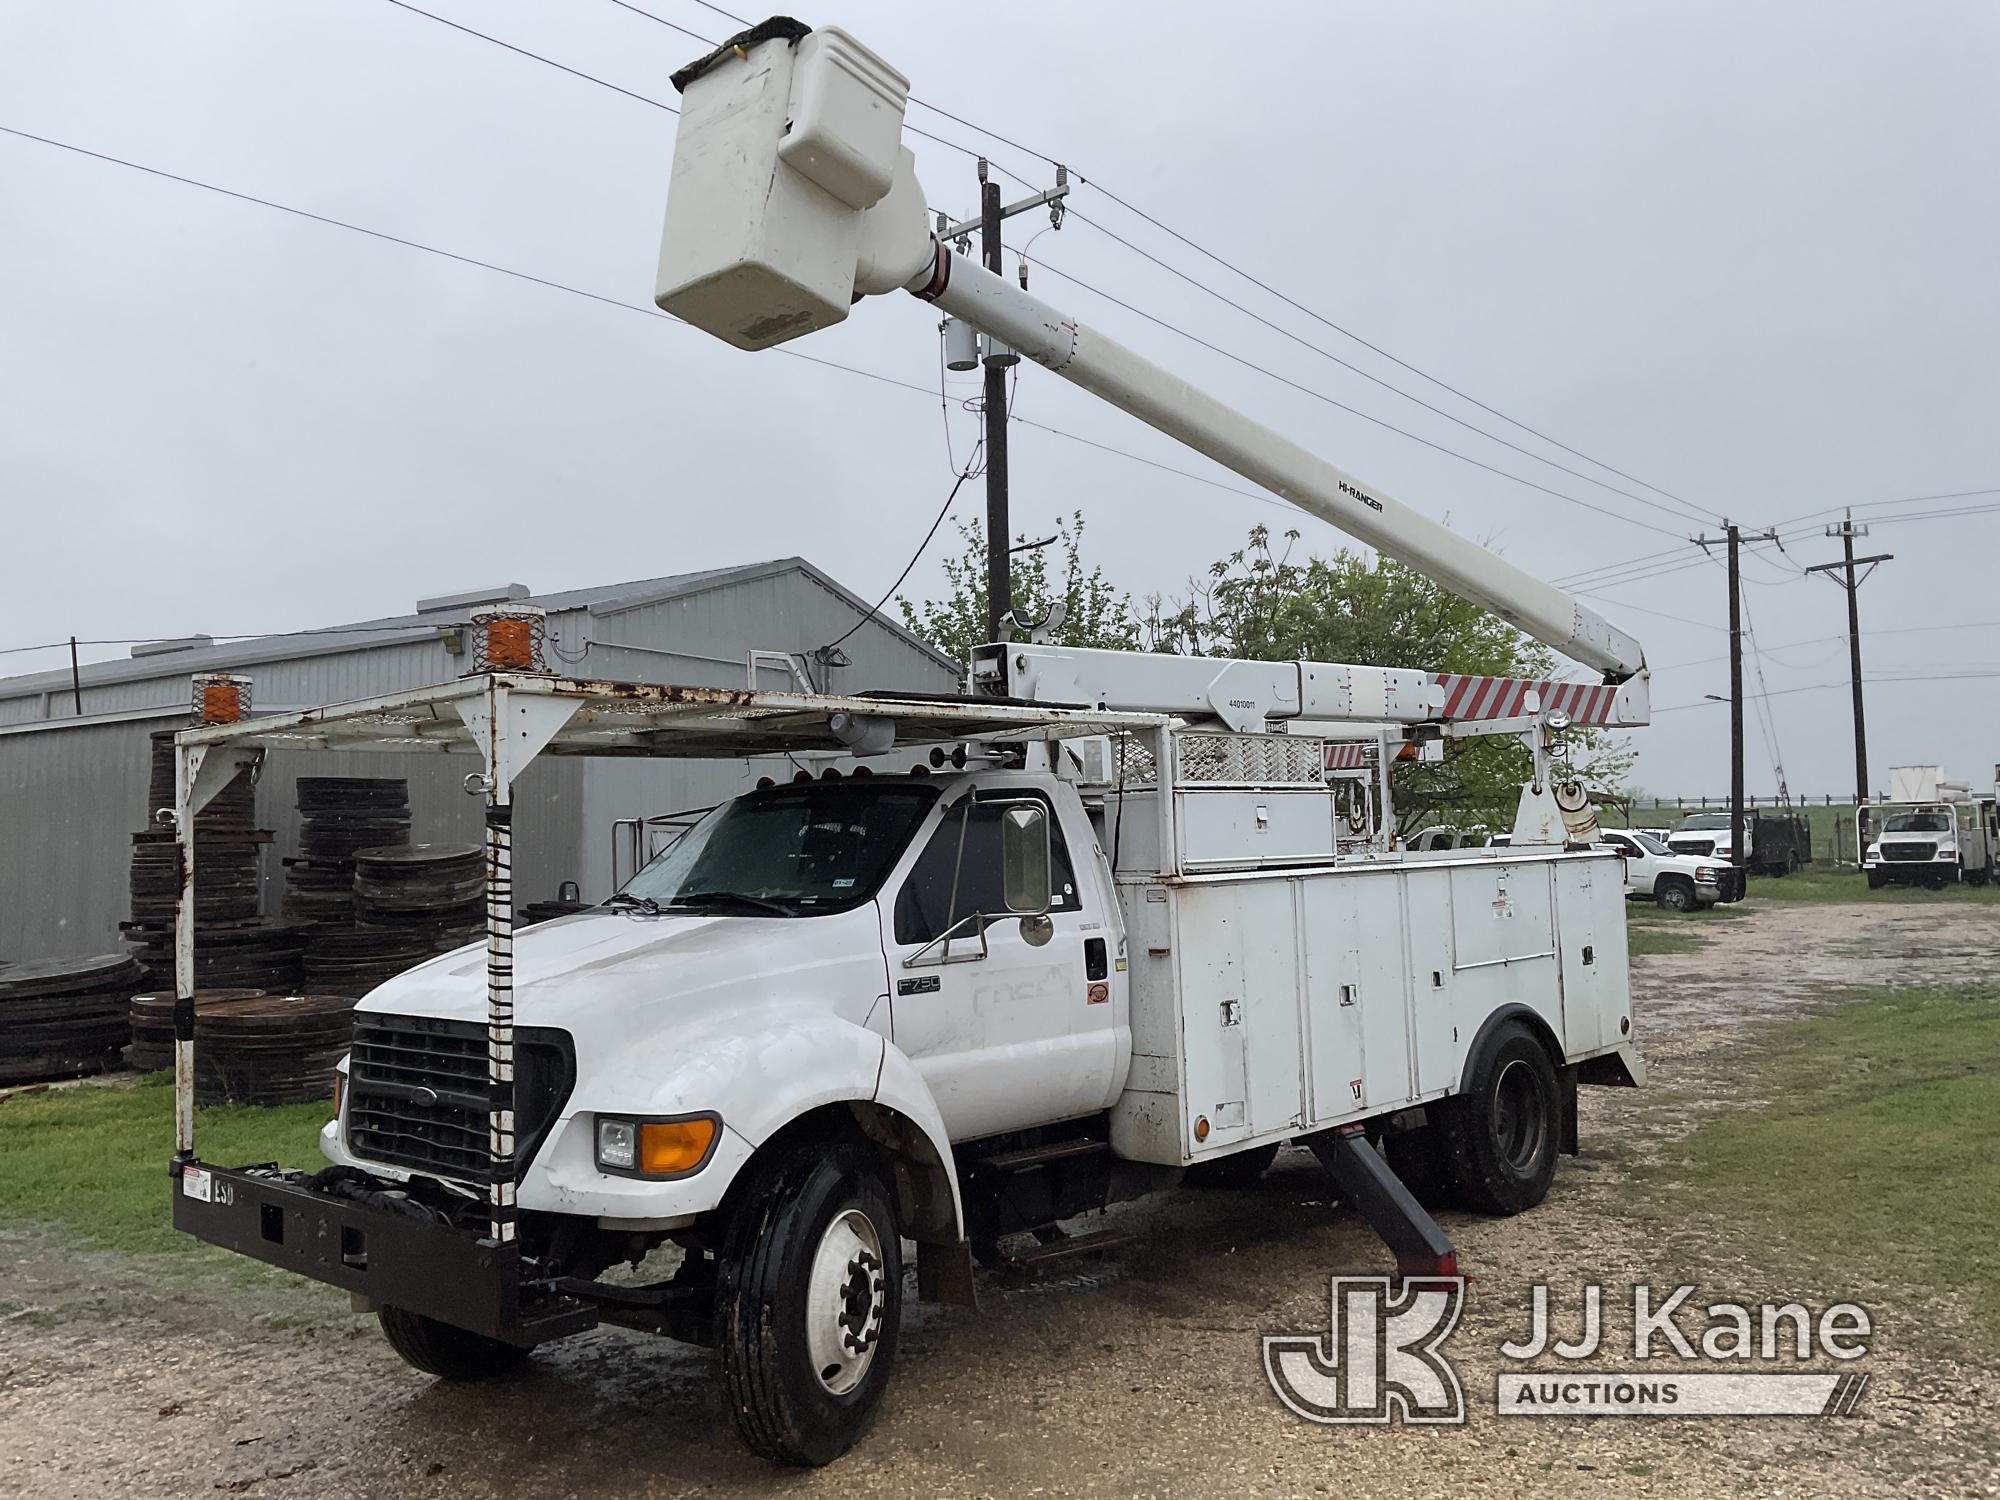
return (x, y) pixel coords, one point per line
(1730, 885)
(453, 1275)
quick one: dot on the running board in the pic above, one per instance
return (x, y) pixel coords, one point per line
(1421, 1248)
(1068, 1246)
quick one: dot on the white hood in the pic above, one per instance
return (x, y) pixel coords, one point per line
(604, 970)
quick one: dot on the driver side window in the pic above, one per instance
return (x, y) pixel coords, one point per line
(925, 907)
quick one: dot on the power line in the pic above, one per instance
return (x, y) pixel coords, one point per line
(1365, 416)
(944, 510)
(1325, 353)
(1838, 510)
(542, 281)
(1821, 687)
(524, 52)
(626, 5)
(1688, 510)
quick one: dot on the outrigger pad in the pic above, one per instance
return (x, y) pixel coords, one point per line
(1421, 1248)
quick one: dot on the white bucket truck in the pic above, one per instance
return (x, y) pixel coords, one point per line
(1104, 920)
(1928, 831)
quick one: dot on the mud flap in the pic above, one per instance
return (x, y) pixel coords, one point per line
(944, 1274)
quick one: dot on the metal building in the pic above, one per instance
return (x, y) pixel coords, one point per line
(73, 785)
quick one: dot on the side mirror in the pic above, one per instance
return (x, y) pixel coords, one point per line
(1024, 859)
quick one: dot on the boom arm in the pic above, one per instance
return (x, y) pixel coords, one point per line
(792, 197)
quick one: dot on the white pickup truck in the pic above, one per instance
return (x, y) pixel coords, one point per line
(1678, 882)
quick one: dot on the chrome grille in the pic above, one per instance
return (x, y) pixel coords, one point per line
(417, 1093)
(1702, 848)
(1909, 851)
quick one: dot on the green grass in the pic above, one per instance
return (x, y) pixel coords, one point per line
(1851, 885)
(1652, 929)
(1875, 1147)
(92, 1160)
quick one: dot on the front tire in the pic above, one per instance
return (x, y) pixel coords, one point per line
(1876, 880)
(1500, 1137)
(444, 1351)
(809, 1294)
(1675, 895)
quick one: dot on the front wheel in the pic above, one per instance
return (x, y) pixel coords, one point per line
(809, 1293)
(1675, 896)
(444, 1351)
(1500, 1136)
(1876, 880)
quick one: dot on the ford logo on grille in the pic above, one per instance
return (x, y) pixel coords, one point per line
(424, 1096)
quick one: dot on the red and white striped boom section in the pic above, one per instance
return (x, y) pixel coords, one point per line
(1476, 698)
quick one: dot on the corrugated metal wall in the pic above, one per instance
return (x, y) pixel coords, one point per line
(71, 795)
(70, 800)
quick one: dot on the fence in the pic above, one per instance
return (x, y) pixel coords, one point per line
(1830, 823)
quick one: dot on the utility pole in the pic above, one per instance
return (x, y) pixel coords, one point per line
(1733, 537)
(1847, 531)
(997, 359)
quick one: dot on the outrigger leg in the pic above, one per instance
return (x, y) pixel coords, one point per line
(1421, 1248)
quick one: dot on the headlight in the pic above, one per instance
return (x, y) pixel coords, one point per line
(1707, 874)
(655, 1148)
(339, 1088)
(1874, 852)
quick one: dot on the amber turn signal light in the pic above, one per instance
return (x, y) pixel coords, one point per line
(674, 1145)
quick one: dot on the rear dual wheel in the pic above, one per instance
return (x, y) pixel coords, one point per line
(1497, 1142)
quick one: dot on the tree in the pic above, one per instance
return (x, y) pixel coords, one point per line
(1259, 603)
(1094, 613)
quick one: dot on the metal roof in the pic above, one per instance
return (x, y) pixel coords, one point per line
(604, 599)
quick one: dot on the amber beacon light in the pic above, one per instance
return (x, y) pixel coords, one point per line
(510, 640)
(221, 698)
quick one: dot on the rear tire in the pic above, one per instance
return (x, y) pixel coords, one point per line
(1239, 1171)
(1675, 895)
(447, 1352)
(1500, 1137)
(808, 1297)
(1417, 1157)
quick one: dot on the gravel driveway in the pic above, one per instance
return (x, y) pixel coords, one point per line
(1139, 1376)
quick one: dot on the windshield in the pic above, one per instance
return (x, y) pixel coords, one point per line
(1702, 822)
(1929, 821)
(788, 851)
(1650, 844)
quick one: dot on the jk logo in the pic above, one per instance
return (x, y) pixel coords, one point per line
(1379, 1357)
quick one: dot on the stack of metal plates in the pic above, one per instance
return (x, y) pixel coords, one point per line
(411, 902)
(227, 883)
(257, 953)
(64, 1017)
(269, 1049)
(153, 1025)
(337, 816)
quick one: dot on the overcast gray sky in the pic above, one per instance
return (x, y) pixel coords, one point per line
(1744, 252)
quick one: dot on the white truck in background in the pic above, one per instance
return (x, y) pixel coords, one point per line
(1104, 920)
(1676, 882)
(1929, 831)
